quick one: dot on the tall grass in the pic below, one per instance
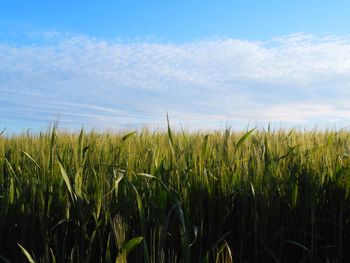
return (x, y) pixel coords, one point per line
(259, 196)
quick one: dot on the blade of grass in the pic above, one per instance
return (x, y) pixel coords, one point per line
(3, 130)
(31, 158)
(170, 135)
(26, 254)
(125, 137)
(66, 178)
(244, 137)
(131, 244)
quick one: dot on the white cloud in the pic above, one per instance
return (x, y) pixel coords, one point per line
(81, 80)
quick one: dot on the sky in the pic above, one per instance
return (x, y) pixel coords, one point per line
(208, 64)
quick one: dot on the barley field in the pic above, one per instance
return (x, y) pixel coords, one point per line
(166, 196)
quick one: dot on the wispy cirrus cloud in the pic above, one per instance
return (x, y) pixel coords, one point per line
(294, 79)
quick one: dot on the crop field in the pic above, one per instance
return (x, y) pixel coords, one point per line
(166, 196)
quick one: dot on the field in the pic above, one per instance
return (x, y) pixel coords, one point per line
(166, 196)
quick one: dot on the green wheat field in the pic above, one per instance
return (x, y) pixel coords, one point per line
(175, 196)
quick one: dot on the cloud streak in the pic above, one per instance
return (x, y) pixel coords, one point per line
(295, 79)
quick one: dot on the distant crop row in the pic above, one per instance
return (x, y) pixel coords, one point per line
(254, 196)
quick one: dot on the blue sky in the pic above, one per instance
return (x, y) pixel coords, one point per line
(209, 64)
(177, 21)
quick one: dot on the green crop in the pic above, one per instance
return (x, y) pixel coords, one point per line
(223, 196)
